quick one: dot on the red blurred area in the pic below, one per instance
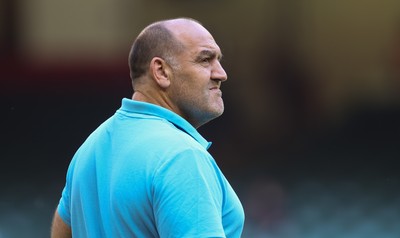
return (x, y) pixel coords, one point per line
(22, 76)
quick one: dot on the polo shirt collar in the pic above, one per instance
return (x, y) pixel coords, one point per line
(158, 111)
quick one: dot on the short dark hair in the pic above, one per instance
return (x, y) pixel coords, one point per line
(155, 40)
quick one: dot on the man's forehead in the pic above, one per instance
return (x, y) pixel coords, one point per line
(198, 38)
(189, 30)
(194, 36)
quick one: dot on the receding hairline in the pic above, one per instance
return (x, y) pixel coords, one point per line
(169, 23)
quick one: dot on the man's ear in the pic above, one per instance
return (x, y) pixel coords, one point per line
(160, 71)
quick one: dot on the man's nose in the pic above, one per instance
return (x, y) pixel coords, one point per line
(218, 72)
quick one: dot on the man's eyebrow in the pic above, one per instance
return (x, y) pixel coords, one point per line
(210, 54)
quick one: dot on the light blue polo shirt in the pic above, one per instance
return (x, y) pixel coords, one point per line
(146, 172)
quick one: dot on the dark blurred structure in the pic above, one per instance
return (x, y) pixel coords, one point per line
(310, 136)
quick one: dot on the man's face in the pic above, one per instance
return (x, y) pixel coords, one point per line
(195, 85)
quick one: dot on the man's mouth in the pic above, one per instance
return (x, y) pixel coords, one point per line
(216, 90)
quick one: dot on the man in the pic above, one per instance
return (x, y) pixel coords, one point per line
(146, 172)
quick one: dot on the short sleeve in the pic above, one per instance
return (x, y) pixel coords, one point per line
(187, 197)
(63, 208)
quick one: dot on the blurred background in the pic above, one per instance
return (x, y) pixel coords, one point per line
(309, 138)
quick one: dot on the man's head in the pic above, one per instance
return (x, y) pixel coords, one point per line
(154, 41)
(176, 64)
